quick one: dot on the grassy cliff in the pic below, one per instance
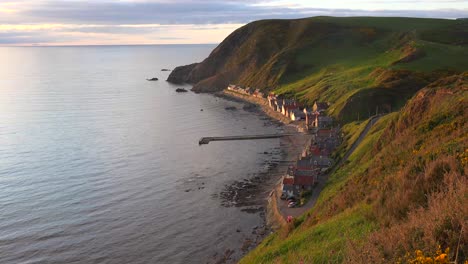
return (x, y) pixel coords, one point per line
(404, 189)
(359, 64)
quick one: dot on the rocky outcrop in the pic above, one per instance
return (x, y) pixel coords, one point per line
(181, 90)
(269, 53)
(237, 59)
(181, 74)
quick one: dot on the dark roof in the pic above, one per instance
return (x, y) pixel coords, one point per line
(309, 173)
(304, 163)
(303, 180)
(290, 107)
(325, 118)
(322, 105)
(321, 160)
(325, 132)
(298, 112)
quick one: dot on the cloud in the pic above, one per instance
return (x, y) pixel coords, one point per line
(180, 21)
(34, 38)
(188, 12)
(76, 34)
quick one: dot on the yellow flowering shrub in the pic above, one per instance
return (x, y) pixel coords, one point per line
(440, 257)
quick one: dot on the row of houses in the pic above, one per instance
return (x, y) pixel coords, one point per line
(314, 162)
(314, 115)
(247, 91)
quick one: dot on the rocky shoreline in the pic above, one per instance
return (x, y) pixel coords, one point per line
(252, 194)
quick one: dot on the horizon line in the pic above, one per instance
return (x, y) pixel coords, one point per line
(94, 45)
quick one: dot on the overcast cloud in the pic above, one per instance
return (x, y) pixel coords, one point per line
(180, 21)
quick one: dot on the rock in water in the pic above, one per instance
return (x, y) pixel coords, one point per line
(152, 79)
(181, 90)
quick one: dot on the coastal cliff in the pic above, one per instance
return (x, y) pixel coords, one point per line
(238, 57)
(363, 64)
(402, 194)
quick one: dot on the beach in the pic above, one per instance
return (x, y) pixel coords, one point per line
(265, 186)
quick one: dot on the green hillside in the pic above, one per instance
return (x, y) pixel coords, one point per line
(404, 189)
(359, 64)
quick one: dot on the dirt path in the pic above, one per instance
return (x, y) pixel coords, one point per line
(295, 212)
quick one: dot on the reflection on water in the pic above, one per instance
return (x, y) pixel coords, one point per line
(97, 165)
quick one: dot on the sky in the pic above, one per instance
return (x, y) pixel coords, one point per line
(117, 22)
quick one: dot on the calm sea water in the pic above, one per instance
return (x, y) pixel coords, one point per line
(98, 165)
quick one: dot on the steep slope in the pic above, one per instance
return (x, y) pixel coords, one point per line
(404, 189)
(360, 64)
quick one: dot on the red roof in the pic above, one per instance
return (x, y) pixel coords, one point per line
(303, 180)
(288, 181)
(315, 150)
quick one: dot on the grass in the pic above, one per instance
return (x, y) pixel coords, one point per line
(322, 244)
(357, 163)
(439, 57)
(392, 23)
(351, 133)
(336, 65)
(404, 189)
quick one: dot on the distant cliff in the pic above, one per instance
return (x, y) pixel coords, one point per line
(358, 63)
(238, 58)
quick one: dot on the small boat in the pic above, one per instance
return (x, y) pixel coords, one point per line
(152, 79)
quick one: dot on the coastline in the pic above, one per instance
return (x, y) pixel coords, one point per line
(291, 148)
(265, 109)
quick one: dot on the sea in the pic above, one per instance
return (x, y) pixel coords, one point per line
(99, 165)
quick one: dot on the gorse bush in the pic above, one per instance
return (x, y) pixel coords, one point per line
(440, 257)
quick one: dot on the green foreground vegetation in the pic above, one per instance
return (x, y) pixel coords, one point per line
(404, 190)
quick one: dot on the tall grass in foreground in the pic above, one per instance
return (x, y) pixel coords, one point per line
(402, 195)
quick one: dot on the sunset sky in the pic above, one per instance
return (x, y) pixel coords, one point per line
(113, 22)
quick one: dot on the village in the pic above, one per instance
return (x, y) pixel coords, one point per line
(300, 178)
